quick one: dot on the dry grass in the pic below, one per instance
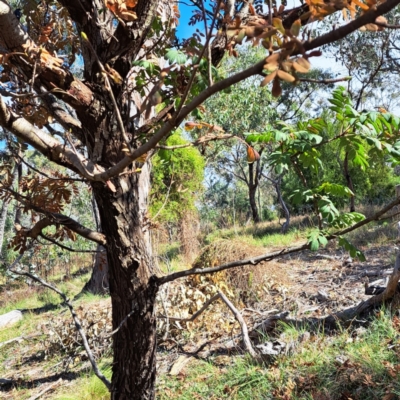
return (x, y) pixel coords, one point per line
(248, 280)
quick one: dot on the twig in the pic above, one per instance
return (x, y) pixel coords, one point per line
(109, 89)
(195, 67)
(239, 318)
(196, 314)
(78, 324)
(325, 81)
(199, 141)
(119, 326)
(210, 80)
(66, 247)
(166, 198)
(389, 26)
(50, 387)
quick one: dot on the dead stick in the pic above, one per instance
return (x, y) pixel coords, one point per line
(78, 324)
(245, 333)
(196, 314)
(19, 339)
(388, 293)
(50, 387)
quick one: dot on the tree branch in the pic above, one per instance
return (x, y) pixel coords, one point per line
(197, 142)
(325, 81)
(45, 143)
(273, 255)
(256, 69)
(61, 219)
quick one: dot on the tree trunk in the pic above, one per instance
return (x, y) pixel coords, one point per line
(18, 212)
(4, 212)
(349, 181)
(253, 204)
(132, 289)
(98, 282)
(3, 218)
(285, 226)
(252, 195)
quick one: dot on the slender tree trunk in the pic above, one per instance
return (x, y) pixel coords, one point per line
(349, 181)
(285, 210)
(3, 218)
(132, 288)
(253, 204)
(252, 195)
(4, 211)
(18, 212)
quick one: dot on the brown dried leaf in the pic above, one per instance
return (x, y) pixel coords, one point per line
(268, 79)
(276, 88)
(285, 76)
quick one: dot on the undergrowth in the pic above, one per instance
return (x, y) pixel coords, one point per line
(350, 364)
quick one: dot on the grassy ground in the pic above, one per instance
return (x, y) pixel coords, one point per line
(352, 363)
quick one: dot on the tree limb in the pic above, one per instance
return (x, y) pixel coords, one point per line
(239, 318)
(325, 81)
(256, 69)
(273, 255)
(61, 219)
(197, 142)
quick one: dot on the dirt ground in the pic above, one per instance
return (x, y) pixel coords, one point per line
(308, 284)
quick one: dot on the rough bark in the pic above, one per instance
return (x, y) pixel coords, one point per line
(131, 287)
(98, 282)
(253, 185)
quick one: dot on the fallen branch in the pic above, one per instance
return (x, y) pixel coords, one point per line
(78, 324)
(239, 318)
(48, 388)
(196, 314)
(331, 321)
(236, 313)
(387, 294)
(19, 339)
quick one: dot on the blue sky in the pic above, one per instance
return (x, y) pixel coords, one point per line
(184, 30)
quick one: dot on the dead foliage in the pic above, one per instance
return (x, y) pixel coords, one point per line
(245, 286)
(62, 337)
(250, 283)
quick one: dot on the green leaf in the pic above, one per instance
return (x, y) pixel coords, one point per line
(316, 239)
(176, 56)
(354, 252)
(335, 189)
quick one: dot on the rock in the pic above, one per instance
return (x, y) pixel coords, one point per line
(10, 318)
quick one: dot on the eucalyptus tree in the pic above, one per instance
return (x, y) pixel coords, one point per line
(139, 84)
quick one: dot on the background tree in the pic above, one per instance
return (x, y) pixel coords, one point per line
(177, 183)
(110, 126)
